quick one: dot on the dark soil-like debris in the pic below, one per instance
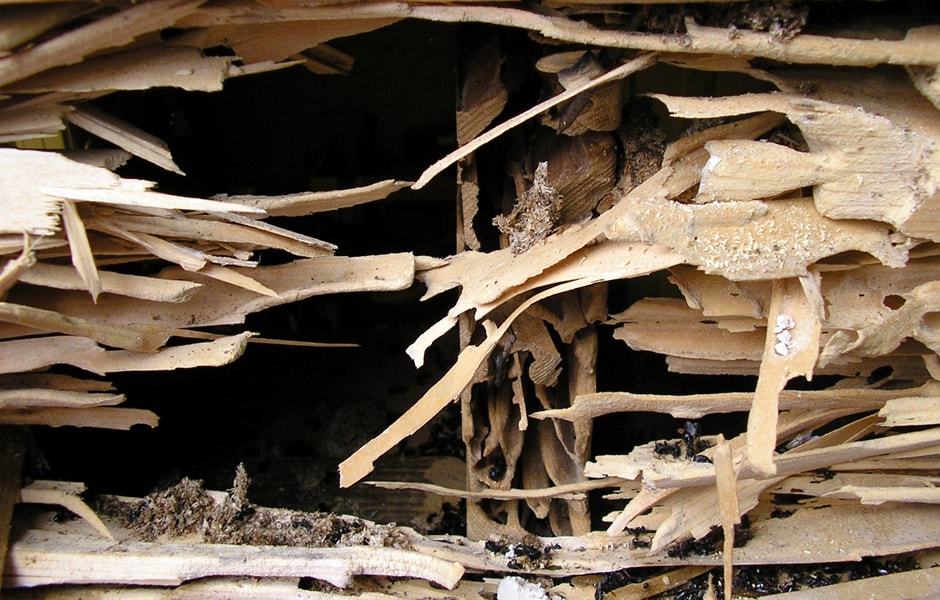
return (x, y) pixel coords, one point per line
(187, 510)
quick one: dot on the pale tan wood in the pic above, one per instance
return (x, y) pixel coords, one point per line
(124, 135)
(628, 468)
(308, 203)
(135, 193)
(918, 47)
(262, 41)
(39, 557)
(209, 588)
(794, 323)
(564, 491)
(133, 286)
(108, 32)
(448, 387)
(883, 151)
(669, 326)
(82, 257)
(30, 122)
(135, 69)
(696, 406)
(913, 410)
(911, 320)
(219, 304)
(68, 496)
(725, 478)
(36, 353)
(14, 399)
(754, 240)
(881, 494)
(240, 230)
(142, 338)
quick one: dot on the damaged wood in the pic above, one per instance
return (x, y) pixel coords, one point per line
(784, 230)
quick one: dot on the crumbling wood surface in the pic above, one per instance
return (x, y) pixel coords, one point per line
(797, 225)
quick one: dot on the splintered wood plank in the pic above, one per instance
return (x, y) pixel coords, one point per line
(136, 69)
(263, 42)
(46, 558)
(857, 156)
(124, 135)
(49, 171)
(216, 303)
(918, 47)
(82, 257)
(108, 32)
(730, 508)
(669, 326)
(913, 317)
(210, 588)
(238, 230)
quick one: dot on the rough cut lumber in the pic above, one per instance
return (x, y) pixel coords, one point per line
(44, 558)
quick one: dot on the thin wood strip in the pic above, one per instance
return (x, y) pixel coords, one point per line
(98, 417)
(695, 406)
(308, 203)
(730, 510)
(37, 353)
(565, 491)
(49, 398)
(82, 257)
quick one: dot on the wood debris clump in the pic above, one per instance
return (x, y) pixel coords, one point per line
(783, 231)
